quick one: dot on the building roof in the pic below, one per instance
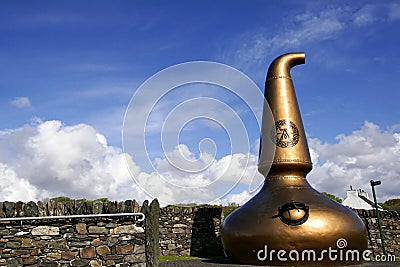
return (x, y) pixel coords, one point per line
(358, 199)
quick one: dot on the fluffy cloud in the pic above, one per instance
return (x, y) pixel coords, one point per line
(21, 102)
(14, 188)
(49, 159)
(366, 154)
(202, 179)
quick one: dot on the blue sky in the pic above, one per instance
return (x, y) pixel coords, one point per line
(80, 62)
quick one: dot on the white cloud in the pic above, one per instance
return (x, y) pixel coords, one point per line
(21, 102)
(365, 15)
(366, 154)
(306, 28)
(300, 30)
(14, 188)
(50, 159)
(239, 198)
(394, 12)
(204, 182)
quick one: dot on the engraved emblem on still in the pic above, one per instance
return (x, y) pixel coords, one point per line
(285, 134)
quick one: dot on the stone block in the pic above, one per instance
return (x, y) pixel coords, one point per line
(21, 233)
(135, 258)
(42, 208)
(95, 263)
(68, 255)
(139, 249)
(121, 207)
(4, 232)
(35, 251)
(45, 230)
(46, 237)
(124, 250)
(180, 225)
(97, 207)
(53, 256)
(12, 262)
(103, 250)
(26, 242)
(31, 260)
(112, 241)
(13, 244)
(22, 253)
(59, 244)
(31, 209)
(112, 207)
(9, 209)
(2, 214)
(178, 231)
(127, 229)
(110, 262)
(88, 253)
(128, 206)
(97, 230)
(96, 242)
(79, 244)
(79, 262)
(81, 228)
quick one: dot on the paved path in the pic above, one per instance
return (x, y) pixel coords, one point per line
(226, 263)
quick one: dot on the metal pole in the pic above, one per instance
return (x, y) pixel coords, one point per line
(377, 214)
(139, 214)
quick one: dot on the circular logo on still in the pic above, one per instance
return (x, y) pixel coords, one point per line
(285, 133)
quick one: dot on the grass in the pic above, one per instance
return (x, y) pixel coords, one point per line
(175, 258)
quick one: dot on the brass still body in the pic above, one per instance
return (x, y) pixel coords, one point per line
(288, 222)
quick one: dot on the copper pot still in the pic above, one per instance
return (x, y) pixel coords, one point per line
(288, 222)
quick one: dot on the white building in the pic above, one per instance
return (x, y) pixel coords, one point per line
(358, 199)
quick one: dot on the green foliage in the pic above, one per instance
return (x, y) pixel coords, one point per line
(391, 204)
(103, 199)
(395, 202)
(62, 199)
(229, 209)
(175, 258)
(67, 199)
(183, 205)
(337, 199)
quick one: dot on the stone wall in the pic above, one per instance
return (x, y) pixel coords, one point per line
(390, 221)
(122, 241)
(195, 231)
(190, 231)
(105, 241)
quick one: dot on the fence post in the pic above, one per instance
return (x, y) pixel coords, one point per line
(152, 214)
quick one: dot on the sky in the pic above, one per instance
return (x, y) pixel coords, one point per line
(144, 99)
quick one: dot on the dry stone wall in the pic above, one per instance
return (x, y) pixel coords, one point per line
(121, 241)
(105, 241)
(195, 231)
(390, 221)
(190, 231)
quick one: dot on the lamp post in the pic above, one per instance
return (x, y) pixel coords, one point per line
(373, 184)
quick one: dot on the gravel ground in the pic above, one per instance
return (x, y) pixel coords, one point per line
(226, 263)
